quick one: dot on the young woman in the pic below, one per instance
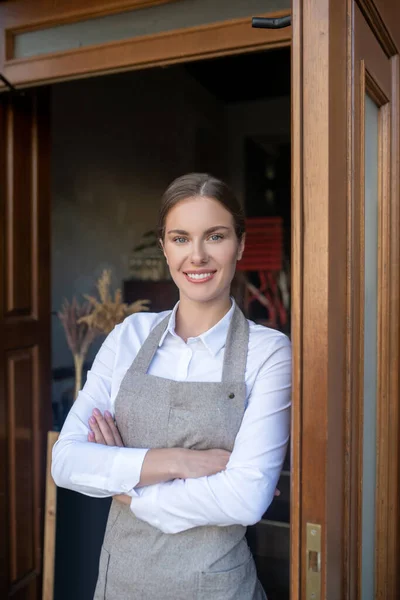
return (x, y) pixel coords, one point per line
(201, 401)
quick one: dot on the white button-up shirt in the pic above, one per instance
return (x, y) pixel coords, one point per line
(240, 494)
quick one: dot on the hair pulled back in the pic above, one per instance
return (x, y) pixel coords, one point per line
(201, 184)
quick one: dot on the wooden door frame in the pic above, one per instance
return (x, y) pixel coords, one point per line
(319, 286)
(325, 432)
(222, 38)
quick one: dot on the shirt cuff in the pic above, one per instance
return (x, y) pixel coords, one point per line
(126, 469)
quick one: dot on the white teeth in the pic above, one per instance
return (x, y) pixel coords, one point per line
(198, 275)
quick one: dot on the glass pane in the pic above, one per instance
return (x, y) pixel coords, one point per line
(134, 23)
(370, 346)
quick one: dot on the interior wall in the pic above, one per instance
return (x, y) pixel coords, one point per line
(117, 143)
(265, 118)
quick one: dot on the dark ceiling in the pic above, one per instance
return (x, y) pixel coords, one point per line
(245, 77)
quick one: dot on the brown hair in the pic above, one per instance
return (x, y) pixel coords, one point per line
(201, 184)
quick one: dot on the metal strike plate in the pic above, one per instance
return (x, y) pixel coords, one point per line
(313, 562)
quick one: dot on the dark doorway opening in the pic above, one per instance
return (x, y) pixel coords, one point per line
(118, 140)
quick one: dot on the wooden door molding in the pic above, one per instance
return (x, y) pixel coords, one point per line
(25, 406)
(377, 73)
(370, 10)
(25, 16)
(206, 41)
(296, 300)
(393, 545)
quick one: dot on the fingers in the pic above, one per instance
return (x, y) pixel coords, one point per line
(111, 423)
(98, 435)
(103, 429)
(123, 498)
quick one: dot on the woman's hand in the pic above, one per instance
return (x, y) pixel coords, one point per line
(124, 499)
(104, 430)
(201, 463)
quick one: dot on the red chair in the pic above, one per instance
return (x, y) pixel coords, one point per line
(264, 254)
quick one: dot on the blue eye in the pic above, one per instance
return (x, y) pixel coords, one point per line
(215, 237)
(180, 240)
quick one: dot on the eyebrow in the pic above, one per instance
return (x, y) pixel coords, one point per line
(210, 230)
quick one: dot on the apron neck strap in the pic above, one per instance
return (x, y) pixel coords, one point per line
(149, 347)
(236, 348)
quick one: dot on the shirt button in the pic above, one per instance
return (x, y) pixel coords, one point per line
(231, 395)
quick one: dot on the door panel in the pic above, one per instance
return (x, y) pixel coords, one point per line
(25, 408)
(346, 297)
(371, 314)
(19, 274)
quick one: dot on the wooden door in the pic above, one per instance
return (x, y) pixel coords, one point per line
(345, 136)
(25, 408)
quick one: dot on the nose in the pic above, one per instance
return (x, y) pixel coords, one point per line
(199, 255)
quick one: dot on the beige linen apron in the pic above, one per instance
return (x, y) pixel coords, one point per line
(137, 560)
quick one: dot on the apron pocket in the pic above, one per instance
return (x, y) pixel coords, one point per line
(239, 583)
(100, 593)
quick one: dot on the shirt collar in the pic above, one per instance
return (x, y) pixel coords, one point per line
(214, 339)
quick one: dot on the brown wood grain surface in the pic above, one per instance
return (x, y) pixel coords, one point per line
(296, 300)
(323, 188)
(326, 100)
(374, 75)
(206, 41)
(25, 408)
(393, 552)
(25, 15)
(50, 523)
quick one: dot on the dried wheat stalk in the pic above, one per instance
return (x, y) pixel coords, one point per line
(79, 335)
(107, 312)
(83, 322)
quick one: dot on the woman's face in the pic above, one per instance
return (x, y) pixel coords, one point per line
(201, 248)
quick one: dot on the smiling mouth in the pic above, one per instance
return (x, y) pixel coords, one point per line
(200, 277)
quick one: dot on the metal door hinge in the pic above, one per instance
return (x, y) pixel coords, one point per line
(313, 562)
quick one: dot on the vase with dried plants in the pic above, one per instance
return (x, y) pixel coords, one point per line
(78, 334)
(83, 323)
